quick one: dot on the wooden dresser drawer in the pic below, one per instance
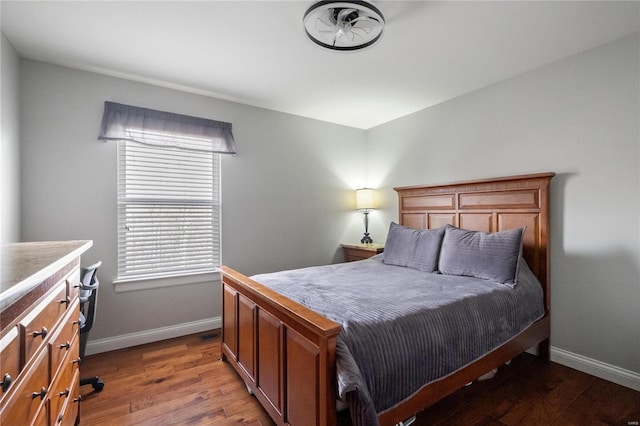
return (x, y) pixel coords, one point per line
(73, 285)
(69, 413)
(42, 419)
(61, 342)
(36, 326)
(63, 391)
(29, 394)
(9, 360)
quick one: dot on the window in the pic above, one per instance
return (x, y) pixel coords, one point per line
(168, 191)
(168, 211)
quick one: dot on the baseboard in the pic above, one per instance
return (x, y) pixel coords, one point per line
(154, 335)
(596, 368)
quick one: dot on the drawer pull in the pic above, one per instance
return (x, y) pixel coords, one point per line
(42, 333)
(6, 382)
(41, 394)
(78, 322)
(66, 345)
(65, 301)
(60, 418)
(65, 393)
(76, 361)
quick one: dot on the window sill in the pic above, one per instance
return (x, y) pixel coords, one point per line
(147, 283)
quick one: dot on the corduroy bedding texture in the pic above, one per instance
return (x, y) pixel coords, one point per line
(403, 328)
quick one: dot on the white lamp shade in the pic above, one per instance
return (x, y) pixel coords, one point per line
(365, 199)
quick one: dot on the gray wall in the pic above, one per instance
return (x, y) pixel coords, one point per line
(287, 195)
(579, 118)
(10, 146)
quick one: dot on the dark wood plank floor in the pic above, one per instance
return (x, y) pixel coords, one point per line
(183, 382)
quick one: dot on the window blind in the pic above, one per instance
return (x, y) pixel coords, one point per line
(168, 211)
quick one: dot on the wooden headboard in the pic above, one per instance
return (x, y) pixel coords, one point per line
(487, 205)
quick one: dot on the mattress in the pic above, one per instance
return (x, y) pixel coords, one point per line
(403, 328)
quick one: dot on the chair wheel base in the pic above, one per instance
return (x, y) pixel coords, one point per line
(95, 382)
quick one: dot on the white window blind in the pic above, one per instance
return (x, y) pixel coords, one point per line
(168, 211)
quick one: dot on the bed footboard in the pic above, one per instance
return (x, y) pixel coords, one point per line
(284, 352)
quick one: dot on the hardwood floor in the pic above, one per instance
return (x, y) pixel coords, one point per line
(174, 382)
(183, 382)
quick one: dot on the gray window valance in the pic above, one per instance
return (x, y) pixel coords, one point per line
(151, 127)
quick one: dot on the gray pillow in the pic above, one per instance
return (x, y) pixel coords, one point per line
(413, 248)
(491, 256)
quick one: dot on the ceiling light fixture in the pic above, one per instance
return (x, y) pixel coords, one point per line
(343, 25)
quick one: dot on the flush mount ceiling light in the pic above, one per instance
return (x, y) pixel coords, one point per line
(343, 25)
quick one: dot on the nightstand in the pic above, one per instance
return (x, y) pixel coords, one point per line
(359, 251)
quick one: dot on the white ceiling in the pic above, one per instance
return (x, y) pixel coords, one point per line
(255, 52)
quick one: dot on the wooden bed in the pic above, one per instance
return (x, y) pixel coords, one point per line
(285, 352)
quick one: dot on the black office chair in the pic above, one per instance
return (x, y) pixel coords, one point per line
(88, 297)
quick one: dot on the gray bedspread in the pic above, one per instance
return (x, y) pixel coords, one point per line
(403, 328)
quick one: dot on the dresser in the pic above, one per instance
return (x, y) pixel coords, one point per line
(40, 333)
(360, 251)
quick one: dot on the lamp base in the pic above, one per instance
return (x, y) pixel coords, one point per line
(366, 239)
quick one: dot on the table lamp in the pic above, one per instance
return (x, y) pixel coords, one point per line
(366, 201)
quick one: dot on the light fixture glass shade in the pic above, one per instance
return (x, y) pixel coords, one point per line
(365, 199)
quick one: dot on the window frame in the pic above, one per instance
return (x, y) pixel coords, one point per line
(129, 282)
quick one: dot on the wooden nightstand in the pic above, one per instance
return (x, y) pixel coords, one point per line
(360, 251)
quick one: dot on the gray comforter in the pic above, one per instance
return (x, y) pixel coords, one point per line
(403, 328)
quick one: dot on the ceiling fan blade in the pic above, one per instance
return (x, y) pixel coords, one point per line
(324, 24)
(325, 30)
(358, 34)
(346, 15)
(364, 28)
(369, 19)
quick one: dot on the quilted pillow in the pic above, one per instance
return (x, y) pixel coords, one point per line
(491, 256)
(413, 248)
